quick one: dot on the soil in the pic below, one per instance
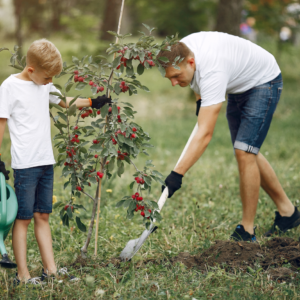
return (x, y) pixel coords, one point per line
(273, 257)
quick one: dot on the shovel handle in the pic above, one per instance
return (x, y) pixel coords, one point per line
(163, 198)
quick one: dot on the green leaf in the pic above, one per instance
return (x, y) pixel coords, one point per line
(147, 180)
(57, 204)
(121, 169)
(120, 203)
(56, 106)
(140, 69)
(147, 26)
(132, 205)
(69, 212)
(164, 59)
(129, 71)
(17, 67)
(65, 220)
(80, 225)
(162, 70)
(80, 86)
(145, 88)
(127, 203)
(128, 141)
(131, 185)
(57, 86)
(63, 116)
(68, 86)
(117, 88)
(96, 147)
(104, 110)
(112, 33)
(157, 216)
(147, 214)
(154, 204)
(56, 94)
(116, 61)
(111, 164)
(73, 100)
(75, 60)
(114, 109)
(2, 49)
(66, 184)
(72, 110)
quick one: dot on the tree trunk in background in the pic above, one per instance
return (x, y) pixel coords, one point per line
(110, 21)
(56, 7)
(18, 13)
(229, 16)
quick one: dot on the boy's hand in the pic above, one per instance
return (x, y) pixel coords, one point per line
(3, 170)
(100, 101)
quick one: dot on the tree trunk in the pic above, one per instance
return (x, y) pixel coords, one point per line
(110, 21)
(229, 16)
(18, 13)
(56, 7)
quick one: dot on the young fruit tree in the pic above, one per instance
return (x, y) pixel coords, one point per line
(95, 143)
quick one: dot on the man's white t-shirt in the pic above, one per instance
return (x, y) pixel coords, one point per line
(25, 105)
(227, 64)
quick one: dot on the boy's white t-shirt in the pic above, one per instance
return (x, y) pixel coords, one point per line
(227, 64)
(25, 105)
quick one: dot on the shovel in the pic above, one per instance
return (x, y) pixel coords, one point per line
(133, 246)
(8, 213)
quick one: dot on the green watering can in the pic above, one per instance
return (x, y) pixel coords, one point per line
(8, 213)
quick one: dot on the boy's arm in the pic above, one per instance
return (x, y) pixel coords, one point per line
(2, 128)
(81, 102)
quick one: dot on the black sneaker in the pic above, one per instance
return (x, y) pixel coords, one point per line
(283, 224)
(60, 272)
(240, 234)
(31, 281)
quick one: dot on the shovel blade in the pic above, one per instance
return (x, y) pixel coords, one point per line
(7, 263)
(133, 246)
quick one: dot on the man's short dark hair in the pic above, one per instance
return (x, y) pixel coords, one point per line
(178, 49)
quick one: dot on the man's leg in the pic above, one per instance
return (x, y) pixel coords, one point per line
(249, 187)
(19, 242)
(272, 186)
(43, 236)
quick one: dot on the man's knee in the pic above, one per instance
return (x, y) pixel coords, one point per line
(43, 217)
(244, 157)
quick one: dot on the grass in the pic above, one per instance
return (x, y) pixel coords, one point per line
(207, 207)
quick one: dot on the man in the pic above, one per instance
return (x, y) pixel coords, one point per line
(215, 64)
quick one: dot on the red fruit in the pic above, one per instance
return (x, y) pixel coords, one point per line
(76, 136)
(118, 67)
(65, 163)
(98, 112)
(118, 116)
(100, 174)
(96, 156)
(105, 80)
(80, 108)
(73, 140)
(78, 188)
(100, 88)
(142, 207)
(114, 141)
(119, 151)
(119, 108)
(75, 161)
(80, 79)
(76, 127)
(136, 194)
(136, 209)
(142, 214)
(76, 72)
(149, 211)
(77, 141)
(89, 183)
(139, 198)
(133, 135)
(95, 142)
(107, 162)
(110, 109)
(134, 129)
(123, 83)
(76, 78)
(119, 121)
(86, 76)
(133, 196)
(142, 181)
(125, 154)
(66, 207)
(91, 83)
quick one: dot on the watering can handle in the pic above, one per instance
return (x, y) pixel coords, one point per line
(3, 212)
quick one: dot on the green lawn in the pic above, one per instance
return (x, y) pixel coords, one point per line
(205, 209)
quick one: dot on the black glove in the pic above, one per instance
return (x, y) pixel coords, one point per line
(173, 182)
(100, 101)
(198, 105)
(3, 170)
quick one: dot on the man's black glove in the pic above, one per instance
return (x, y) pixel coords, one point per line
(3, 170)
(173, 182)
(198, 105)
(100, 101)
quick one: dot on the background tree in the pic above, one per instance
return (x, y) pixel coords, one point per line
(229, 16)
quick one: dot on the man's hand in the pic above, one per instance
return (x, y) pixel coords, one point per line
(3, 170)
(100, 101)
(173, 182)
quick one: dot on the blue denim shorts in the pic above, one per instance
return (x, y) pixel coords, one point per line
(34, 190)
(250, 114)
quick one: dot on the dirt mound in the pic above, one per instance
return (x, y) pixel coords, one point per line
(228, 254)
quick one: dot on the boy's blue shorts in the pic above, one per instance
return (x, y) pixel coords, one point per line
(250, 114)
(34, 190)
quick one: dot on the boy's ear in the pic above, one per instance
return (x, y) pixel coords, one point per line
(30, 70)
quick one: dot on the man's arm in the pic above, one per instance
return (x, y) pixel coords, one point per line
(2, 128)
(207, 119)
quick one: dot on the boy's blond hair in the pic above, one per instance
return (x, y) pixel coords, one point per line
(43, 55)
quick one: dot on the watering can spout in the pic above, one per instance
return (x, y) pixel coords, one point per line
(8, 213)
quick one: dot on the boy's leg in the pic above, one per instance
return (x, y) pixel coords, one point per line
(43, 236)
(19, 242)
(272, 186)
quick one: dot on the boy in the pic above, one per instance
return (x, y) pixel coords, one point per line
(24, 105)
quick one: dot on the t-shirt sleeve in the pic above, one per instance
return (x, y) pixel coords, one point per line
(53, 98)
(213, 88)
(5, 103)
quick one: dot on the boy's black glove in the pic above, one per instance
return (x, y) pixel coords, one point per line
(3, 170)
(100, 101)
(173, 182)
(198, 105)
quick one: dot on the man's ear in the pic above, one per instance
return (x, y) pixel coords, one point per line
(191, 61)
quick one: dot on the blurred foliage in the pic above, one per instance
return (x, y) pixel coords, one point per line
(272, 15)
(171, 16)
